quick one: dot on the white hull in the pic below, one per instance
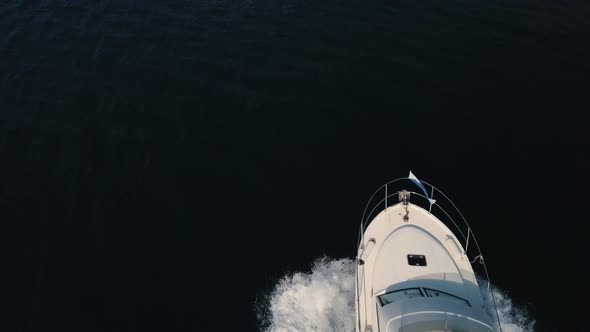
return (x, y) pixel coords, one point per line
(414, 275)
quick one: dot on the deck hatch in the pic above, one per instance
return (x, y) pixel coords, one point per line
(417, 260)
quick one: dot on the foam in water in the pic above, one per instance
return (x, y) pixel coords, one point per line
(323, 301)
(512, 318)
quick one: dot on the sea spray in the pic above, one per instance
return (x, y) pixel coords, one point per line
(323, 301)
(512, 318)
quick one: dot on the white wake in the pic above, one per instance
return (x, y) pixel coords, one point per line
(323, 301)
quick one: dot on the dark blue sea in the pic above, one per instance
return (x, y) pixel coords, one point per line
(163, 164)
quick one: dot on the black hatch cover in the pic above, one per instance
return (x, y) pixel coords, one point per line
(417, 260)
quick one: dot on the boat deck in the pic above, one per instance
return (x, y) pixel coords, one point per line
(418, 253)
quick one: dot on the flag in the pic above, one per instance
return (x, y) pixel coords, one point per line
(414, 179)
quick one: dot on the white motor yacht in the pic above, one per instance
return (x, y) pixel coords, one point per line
(415, 274)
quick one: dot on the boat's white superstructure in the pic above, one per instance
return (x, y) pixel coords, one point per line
(414, 274)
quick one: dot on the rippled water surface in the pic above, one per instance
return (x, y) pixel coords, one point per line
(165, 163)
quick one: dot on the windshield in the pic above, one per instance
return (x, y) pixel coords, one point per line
(436, 293)
(399, 295)
(409, 293)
